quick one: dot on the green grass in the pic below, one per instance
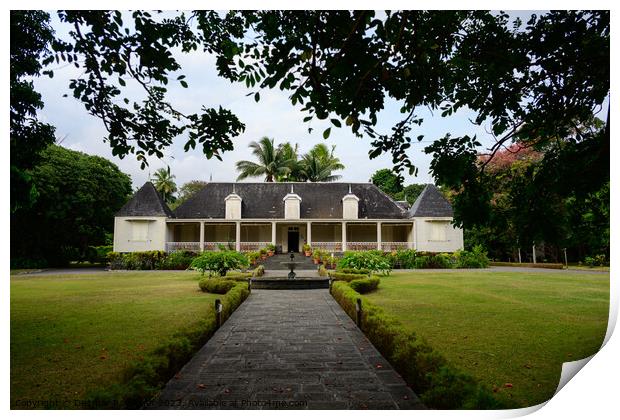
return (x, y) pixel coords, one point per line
(503, 328)
(73, 333)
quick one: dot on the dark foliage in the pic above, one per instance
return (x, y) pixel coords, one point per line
(78, 195)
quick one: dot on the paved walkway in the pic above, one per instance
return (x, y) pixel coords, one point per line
(288, 349)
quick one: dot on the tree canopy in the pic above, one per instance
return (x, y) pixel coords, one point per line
(78, 195)
(281, 163)
(187, 190)
(165, 184)
(390, 183)
(530, 82)
(31, 36)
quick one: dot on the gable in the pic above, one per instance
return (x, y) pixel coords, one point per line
(145, 202)
(431, 203)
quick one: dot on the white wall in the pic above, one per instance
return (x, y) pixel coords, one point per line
(425, 232)
(139, 234)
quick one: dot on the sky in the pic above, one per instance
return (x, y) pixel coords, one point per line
(273, 116)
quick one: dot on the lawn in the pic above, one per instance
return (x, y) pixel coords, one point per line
(503, 328)
(73, 333)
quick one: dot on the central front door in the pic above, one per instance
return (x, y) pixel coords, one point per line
(293, 241)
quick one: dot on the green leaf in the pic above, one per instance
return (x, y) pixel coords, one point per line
(336, 122)
(184, 83)
(122, 82)
(257, 96)
(327, 132)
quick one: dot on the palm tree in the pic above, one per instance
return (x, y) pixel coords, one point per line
(318, 164)
(164, 184)
(290, 153)
(273, 162)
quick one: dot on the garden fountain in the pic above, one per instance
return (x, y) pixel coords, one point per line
(291, 266)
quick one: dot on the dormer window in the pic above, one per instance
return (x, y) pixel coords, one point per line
(292, 203)
(350, 205)
(233, 206)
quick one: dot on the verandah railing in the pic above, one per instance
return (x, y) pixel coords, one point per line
(328, 246)
(395, 246)
(182, 246)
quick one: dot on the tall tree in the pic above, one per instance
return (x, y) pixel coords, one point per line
(78, 197)
(290, 153)
(388, 181)
(31, 35)
(164, 184)
(273, 162)
(319, 164)
(188, 190)
(342, 66)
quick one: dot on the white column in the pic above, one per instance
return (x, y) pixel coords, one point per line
(413, 235)
(534, 253)
(309, 233)
(344, 236)
(379, 236)
(238, 236)
(202, 236)
(273, 233)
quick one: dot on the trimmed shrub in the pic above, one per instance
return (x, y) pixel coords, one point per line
(431, 260)
(259, 271)
(217, 285)
(338, 275)
(374, 261)
(355, 271)
(556, 266)
(177, 260)
(426, 371)
(402, 258)
(219, 262)
(145, 378)
(366, 285)
(145, 260)
(238, 275)
(476, 258)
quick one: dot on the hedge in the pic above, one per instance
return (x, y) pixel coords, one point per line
(355, 270)
(365, 285)
(438, 384)
(144, 379)
(217, 285)
(339, 275)
(555, 266)
(238, 275)
(150, 260)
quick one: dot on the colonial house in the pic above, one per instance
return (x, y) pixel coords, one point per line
(248, 216)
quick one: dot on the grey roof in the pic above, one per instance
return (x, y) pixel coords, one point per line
(145, 202)
(264, 201)
(431, 203)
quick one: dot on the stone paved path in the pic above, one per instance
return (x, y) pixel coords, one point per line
(288, 349)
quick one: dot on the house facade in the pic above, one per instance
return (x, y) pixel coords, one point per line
(248, 216)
